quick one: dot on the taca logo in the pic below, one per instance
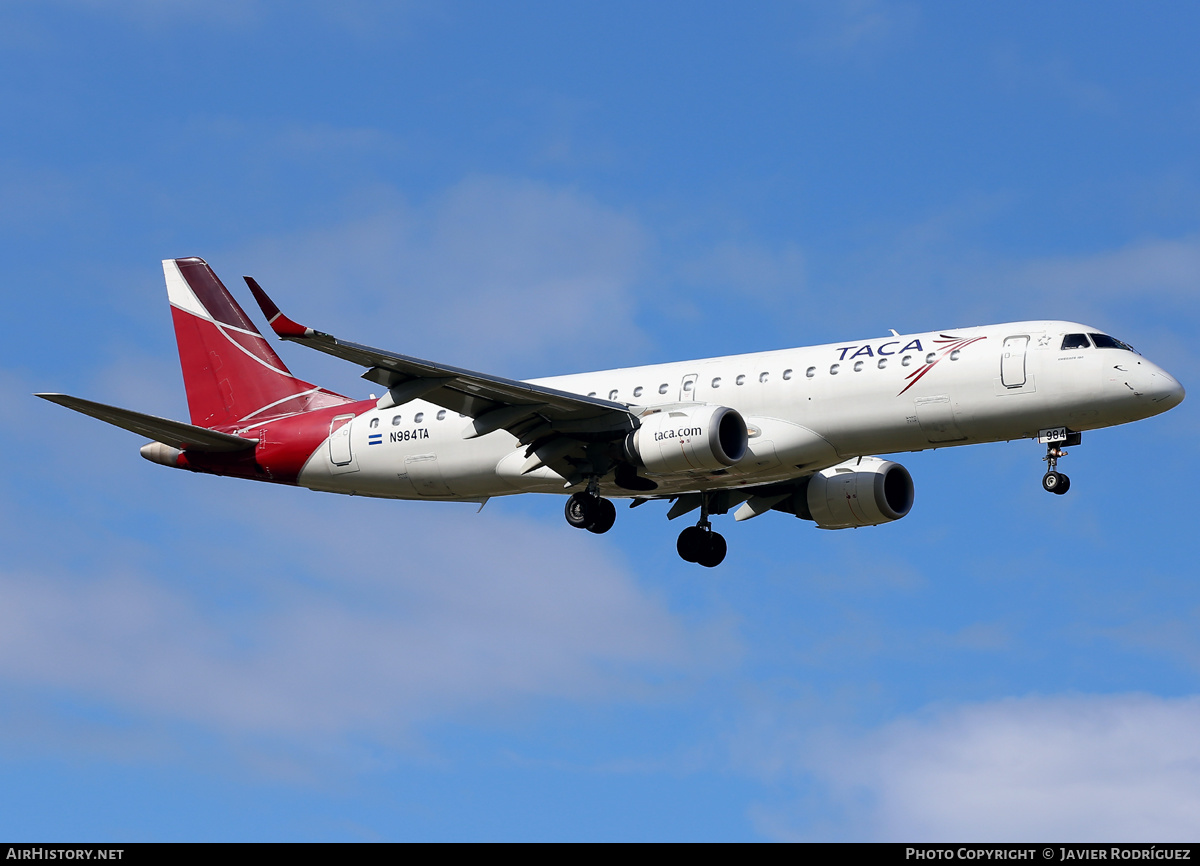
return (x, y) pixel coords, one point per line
(884, 349)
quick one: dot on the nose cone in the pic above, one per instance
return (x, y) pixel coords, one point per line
(1147, 388)
(1164, 390)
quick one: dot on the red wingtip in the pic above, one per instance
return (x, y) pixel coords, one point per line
(280, 324)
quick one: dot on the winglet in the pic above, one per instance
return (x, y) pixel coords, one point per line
(284, 327)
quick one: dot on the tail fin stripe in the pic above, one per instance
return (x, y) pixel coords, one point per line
(312, 390)
(248, 352)
(231, 329)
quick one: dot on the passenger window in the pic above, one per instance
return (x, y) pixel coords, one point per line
(637, 392)
(418, 418)
(762, 378)
(787, 374)
(904, 362)
(442, 415)
(662, 389)
(741, 380)
(395, 420)
(931, 357)
(882, 363)
(810, 372)
(687, 386)
(833, 370)
(1075, 341)
(858, 366)
(954, 355)
(612, 395)
(591, 393)
(374, 423)
(716, 383)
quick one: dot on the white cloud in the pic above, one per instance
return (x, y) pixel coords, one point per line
(158, 13)
(1160, 267)
(1055, 78)
(1112, 768)
(270, 615)
(857, 27)
(493, 271)
(751, 271)
(361, 19)
(939, 269)
(347, 622)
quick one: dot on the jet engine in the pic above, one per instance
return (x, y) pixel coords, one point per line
(700, 438)
(860, 492)
(865, 491)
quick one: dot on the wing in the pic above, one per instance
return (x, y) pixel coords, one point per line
(173, 433)
(555, 425)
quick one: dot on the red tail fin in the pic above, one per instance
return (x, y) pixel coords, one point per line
(232, 375)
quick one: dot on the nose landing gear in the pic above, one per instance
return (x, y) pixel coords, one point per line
(699, 543)
(1054, 481)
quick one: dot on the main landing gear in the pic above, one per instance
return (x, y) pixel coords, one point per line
(699, 543)
(1054, 481)
(589, 511)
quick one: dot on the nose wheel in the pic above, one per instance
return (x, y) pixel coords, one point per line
(589, 511)
(1054, 481)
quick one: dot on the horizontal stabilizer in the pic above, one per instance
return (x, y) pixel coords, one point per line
(173, 433)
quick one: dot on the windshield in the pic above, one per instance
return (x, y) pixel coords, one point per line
(1103, 341)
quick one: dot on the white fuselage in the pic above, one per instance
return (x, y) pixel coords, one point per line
(806, 409)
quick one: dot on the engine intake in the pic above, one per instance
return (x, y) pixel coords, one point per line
(699, 438)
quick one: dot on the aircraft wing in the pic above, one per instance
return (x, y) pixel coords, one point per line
(173, 433)
(529, 411)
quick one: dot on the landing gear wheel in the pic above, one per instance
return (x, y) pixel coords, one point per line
(605, 515)
(713, 552)
(1055, 482)
(691, 544)
(581, 510)
(701, 545)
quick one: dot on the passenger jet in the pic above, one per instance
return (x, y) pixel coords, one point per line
(792, 431)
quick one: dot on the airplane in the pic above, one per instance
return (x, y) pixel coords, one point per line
(795, 431)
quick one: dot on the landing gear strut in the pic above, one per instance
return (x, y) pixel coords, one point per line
(589, 511)
(1054, 481)
(699, 543)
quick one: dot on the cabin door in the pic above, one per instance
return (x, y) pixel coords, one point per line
(341, 457)
(1012, 361)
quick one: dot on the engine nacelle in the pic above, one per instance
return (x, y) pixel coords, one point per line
(859, 492)
(700, 438)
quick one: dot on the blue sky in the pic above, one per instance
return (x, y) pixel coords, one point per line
(543, 188)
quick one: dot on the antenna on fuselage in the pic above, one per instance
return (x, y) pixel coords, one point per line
(893, 330)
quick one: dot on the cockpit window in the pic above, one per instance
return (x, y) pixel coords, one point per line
(1076, 341)
(1103, 341)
